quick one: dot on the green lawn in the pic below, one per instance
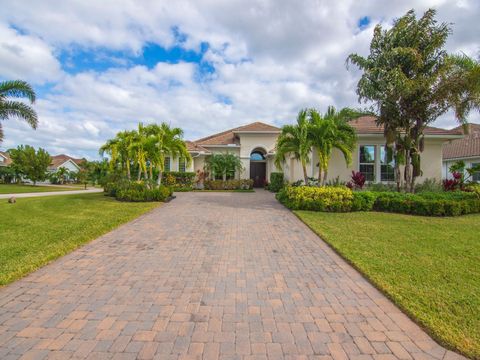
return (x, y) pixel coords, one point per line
(18, 189)
(35, 231)
(429, 266)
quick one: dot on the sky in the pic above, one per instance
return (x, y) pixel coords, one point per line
(99, 67)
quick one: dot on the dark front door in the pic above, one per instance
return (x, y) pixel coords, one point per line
(258, 173)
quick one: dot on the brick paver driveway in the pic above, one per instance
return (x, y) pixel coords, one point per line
(212, 275)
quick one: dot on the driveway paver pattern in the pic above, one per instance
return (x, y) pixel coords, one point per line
(207, 276)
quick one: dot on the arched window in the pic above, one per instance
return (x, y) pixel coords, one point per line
(257, 156)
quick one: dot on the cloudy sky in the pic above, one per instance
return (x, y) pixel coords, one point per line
(205, 65)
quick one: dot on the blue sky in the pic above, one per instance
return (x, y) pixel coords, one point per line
(101, 67)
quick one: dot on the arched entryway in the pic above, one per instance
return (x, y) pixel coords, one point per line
(258, 167)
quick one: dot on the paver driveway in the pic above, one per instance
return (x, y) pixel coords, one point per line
(212, 275)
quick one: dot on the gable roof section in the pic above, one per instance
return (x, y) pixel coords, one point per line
(58, 160)
(6, 159)
(228, 137)
(194, 147)
(365, 125)
(469, 146)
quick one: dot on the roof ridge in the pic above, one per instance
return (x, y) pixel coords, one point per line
(231, 130)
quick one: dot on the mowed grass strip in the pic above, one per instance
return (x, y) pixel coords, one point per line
(20, 189)
(429, 266)
(35, 231)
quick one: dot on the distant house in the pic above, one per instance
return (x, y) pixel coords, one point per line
(466, 149)
(65, 161)
(5, 159)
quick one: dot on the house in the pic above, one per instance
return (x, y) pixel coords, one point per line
(255, 145)
(466, 149)
(64, 161)
(5, 159)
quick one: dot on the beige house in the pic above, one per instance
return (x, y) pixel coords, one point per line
(466, 149)
(255, 145)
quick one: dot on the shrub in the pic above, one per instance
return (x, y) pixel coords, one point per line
(380, 187)
(358, 180)
(179, 179)
(276, 181)
(336, 182)
(140, 193)
(429, 203)
(429, 185)
(243, 184)
(334, 199)
(363, 200)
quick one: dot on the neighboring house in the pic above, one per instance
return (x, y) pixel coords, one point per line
(466, 149)
(255, 145)
(5, 159)
(64, 161)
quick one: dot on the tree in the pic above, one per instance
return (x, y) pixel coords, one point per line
(331, 131)
(295, 140)
(32, 164)
(223, 165)
(16, 109)
(62, 174)
(408, 76)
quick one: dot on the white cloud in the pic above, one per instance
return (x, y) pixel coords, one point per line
(271, 58)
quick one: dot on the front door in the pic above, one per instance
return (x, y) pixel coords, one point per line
(258, 172)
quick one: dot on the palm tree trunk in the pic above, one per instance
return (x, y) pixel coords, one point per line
(139, 171)
(319, 174)
(305, 177)
(128, 169)
(160, 175)
(325, 173)
(151, 171)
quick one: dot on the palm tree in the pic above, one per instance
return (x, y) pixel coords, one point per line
(295, 140)
(110, 148)
(332, 131)
(16, 109)
(124, 142)
(139, 148)
(223, 164)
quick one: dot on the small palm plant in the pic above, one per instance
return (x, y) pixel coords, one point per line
(17, 109)
(223, 165)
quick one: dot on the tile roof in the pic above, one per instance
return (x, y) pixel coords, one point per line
(58, 160)
(468, 146)
(6, 159)
(366, 125)
(192, 146)
(228, 136)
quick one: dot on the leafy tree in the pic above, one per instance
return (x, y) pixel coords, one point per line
(62, 174)
(408, 76)
(331, 131)
(16, 109)
(223, 165)
(32, 164)
(295, 140)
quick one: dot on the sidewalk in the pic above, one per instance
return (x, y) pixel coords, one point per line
(50, 193)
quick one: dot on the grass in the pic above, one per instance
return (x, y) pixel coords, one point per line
(428, 266)
(35, 231)
(18, 189)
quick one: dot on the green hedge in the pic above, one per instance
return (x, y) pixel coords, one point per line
(137, 191)
(179, 179)
(340, 199)
(277, 182)
(244, 184)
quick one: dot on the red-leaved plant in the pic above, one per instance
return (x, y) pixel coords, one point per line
(358, 180)
(453, 184)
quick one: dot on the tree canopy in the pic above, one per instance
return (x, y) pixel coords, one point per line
(30, 163)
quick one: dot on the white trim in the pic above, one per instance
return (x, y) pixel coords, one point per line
(461, 157)
(61, 165)
(221, 146)
(258, 132)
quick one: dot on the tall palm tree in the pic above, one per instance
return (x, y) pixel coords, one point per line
(16, 109)
(124, 145)
(295, 140)
(139, 148)
(110, 148)
(331, 131)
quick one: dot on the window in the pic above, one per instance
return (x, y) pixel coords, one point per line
(181, 165)
(167, 164)
(387, 165)
(476, 175)
(257, 156)
(367, 162)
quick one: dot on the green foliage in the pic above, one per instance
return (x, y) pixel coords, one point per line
(335, 182)
(140, 193)
(17, 109)
(243, 184)
(7, 175)
(335, 199)
(429, 204)
(223, 165)
(277, 181)
(408, 75)
(363, 201)
(461, 168)
(179, 179)
(429, 185)
(378, 187)
(30, 163)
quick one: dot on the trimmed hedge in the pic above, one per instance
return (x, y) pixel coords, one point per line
(276, 181)
(341, 199)
(244, 184)
(137, 191)
(179, 179)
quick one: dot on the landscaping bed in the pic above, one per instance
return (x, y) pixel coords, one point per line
(428, 266)
(343, 199)
(38, 230)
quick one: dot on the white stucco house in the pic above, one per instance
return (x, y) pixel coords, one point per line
(466, 149)
(255, 145)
